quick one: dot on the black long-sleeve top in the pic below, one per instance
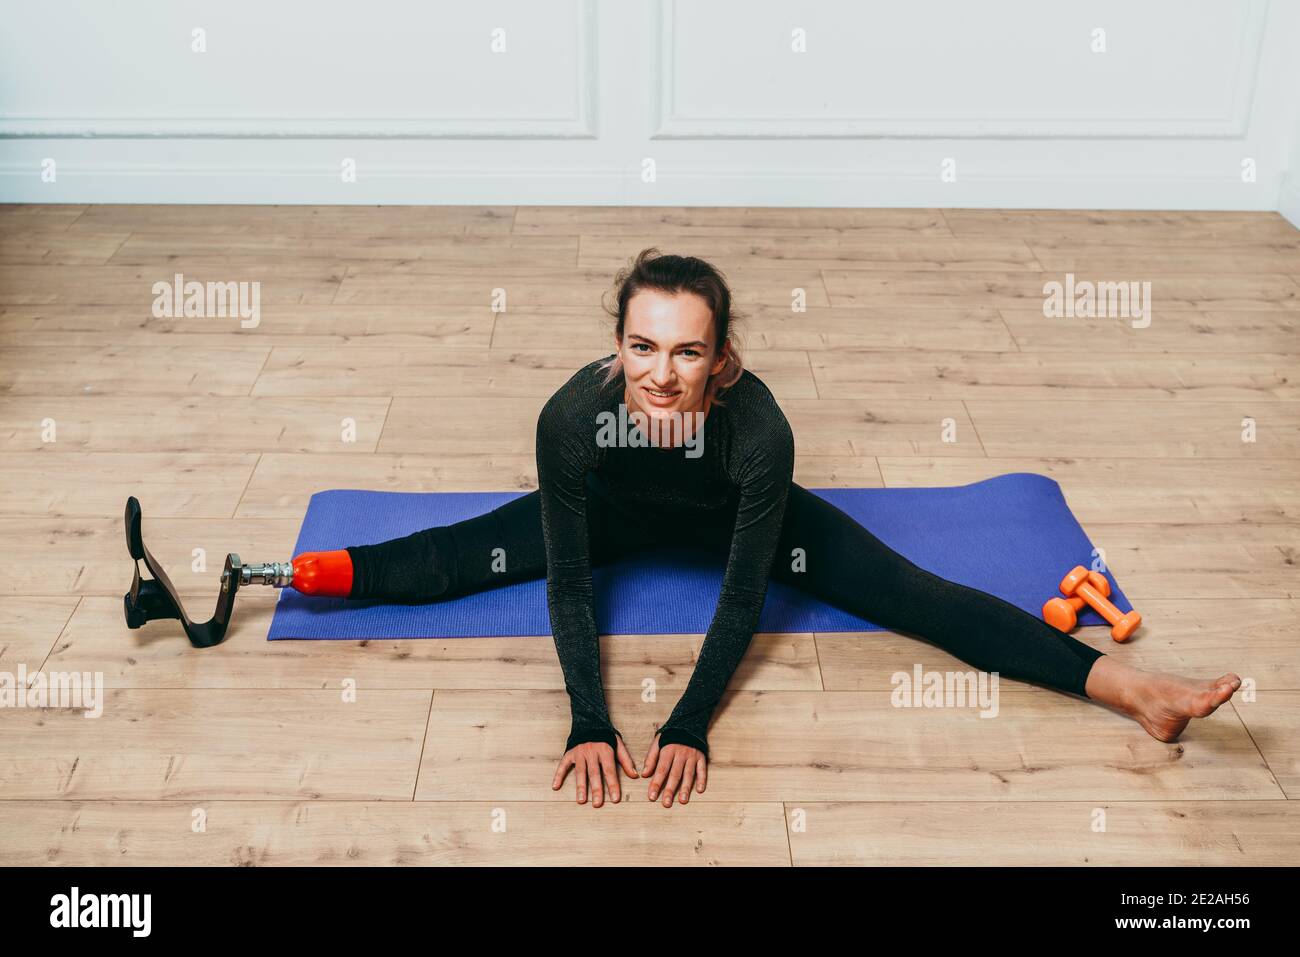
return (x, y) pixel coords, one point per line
(747, 463)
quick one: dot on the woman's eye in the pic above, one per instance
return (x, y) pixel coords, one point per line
(640, 345)
(690, 352)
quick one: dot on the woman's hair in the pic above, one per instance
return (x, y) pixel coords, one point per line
(673, 275)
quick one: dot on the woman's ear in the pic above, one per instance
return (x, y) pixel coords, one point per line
(721, 362)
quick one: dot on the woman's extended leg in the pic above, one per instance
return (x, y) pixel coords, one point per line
(496, 548)
(852, 569)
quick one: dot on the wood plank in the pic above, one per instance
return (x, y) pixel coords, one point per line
(675, 223)
(122, 370)
(1161, 833)
(498, 250)
(1025, 290)
(1132, 490)
(188, 423)
(579, 328)
(1207, 256)
(975, 329)
(1019, 375)
(57, 246)
(282, 484)
(925, 253)
(321, 833)
(133, 285)
(883, 426)
(355, 221)
(837, 471)
(489, 426)
(1183, 429)
(232, 743)
(1171, 330)
(290, 324)
(1120, 225)
(172, 484)
(20, 217)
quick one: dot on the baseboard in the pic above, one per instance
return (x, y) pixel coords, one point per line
(157, 183)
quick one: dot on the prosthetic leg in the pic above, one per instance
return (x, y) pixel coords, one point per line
(150, 599)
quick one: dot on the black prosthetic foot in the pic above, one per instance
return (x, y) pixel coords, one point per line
(151, 599)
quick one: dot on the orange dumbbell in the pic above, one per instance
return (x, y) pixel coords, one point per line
(1077, 582)
(1063, 613)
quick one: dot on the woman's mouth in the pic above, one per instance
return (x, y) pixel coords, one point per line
(660, 397)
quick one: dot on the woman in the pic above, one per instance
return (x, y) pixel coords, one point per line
(720, 480)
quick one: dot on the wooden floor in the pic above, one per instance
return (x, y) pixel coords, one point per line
(383, 316)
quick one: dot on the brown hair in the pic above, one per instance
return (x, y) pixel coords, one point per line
(673, 275)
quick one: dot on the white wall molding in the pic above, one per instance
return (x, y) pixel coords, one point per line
(674, 121)
(577, 122)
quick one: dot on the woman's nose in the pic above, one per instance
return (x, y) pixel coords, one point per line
(663, 370)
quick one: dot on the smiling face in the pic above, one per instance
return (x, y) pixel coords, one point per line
(668, 353)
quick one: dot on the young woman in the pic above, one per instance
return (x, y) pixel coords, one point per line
(720, 481)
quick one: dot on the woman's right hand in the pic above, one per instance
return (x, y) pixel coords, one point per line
(594, 760)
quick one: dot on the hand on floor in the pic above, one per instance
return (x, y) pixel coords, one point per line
(675, 768)
(594, 761)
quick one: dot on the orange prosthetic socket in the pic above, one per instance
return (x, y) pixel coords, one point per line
(328, 574)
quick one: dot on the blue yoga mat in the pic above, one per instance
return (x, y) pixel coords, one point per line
(1012, 535)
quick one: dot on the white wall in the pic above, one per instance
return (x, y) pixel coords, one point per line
(586, 91)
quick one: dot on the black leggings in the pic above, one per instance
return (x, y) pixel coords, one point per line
(846, 566)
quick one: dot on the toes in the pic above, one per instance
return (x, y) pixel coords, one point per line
(1228, 687)
(1209, 701)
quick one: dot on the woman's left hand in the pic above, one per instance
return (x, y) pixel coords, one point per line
(676, 767)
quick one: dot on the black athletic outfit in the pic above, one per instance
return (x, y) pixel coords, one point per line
(596, 503)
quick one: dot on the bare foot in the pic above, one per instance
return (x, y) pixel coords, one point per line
(1164, 704)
